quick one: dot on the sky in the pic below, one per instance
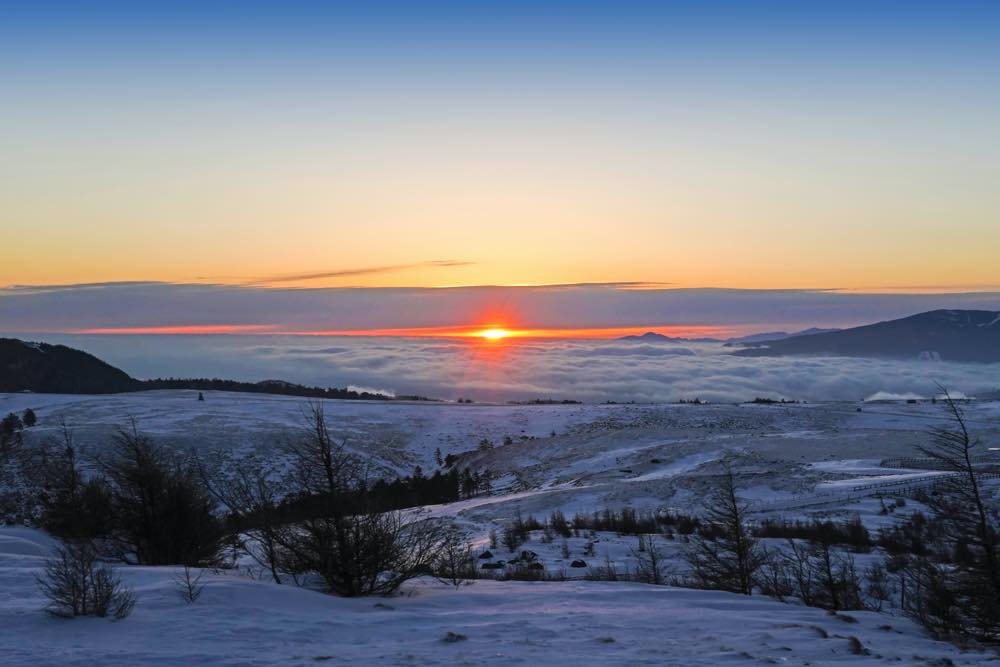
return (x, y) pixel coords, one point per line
(246, 147)
(568, 311)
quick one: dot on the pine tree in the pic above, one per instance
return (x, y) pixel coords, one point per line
(724, 555)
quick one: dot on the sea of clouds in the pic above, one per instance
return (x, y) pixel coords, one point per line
(587, 370)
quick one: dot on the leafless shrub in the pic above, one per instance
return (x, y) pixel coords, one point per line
(77, 584)
(189, 584)
(353, 547)
(815, 573)
(455, 564)
(878, 587)
(606, 572)
(649, 567)
(252, 491)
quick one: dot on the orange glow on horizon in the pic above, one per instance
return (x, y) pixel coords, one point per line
(181, 329)
(497, 332)
(484, 332)
(494, 333)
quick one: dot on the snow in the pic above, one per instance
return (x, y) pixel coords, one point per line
(403, 434)
(852, 482)
(797, 461)
(245, 622)
(644, 456)
(682, 465)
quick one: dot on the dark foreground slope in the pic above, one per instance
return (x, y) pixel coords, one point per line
(58, 369)
(949, 335)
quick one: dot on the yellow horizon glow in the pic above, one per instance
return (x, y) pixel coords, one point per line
(367, 162)
(484, 332)
(494, 334)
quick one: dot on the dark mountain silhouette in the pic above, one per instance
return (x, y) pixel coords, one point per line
(653, 337)
(949, 335)
(773, 335)
(57, 369)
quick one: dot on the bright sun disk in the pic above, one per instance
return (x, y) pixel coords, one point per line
(493, 334)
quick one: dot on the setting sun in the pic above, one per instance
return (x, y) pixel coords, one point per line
(494, 334)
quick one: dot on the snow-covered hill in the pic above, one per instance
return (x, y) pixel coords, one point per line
(241, 621)
(794, 460)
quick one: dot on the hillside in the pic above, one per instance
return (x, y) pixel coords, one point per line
(947, 335)
(800, 461)
(41, 367)
(768, 336)
(57, 369)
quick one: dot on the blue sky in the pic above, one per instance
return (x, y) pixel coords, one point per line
(718, 144)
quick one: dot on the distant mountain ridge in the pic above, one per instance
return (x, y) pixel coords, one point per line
(947, 335)
(653, 337)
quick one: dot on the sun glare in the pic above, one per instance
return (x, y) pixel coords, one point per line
(493, 334)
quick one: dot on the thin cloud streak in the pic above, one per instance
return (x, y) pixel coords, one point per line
(349, 273)
(181, 329)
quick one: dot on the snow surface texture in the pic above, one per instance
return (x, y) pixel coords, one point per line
(568, 457)
(797, 461)
(240, 621)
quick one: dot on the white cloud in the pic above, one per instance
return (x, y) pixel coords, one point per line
(585, 370)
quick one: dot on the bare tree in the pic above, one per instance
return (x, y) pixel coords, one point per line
(454, 563)
(163, 514)
(774, 577)
(189, 584)
(971, 524)
(73, 506)
(649, 562)
(837, 585)
(11, 439)
(724, 555)
(77, 584)
(878, 588)
(252, 491)
(350, 544)
(928, 594)
(512, 538)
(814, 572)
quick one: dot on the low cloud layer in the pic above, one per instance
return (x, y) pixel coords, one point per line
(140, 305)
(583, 370)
